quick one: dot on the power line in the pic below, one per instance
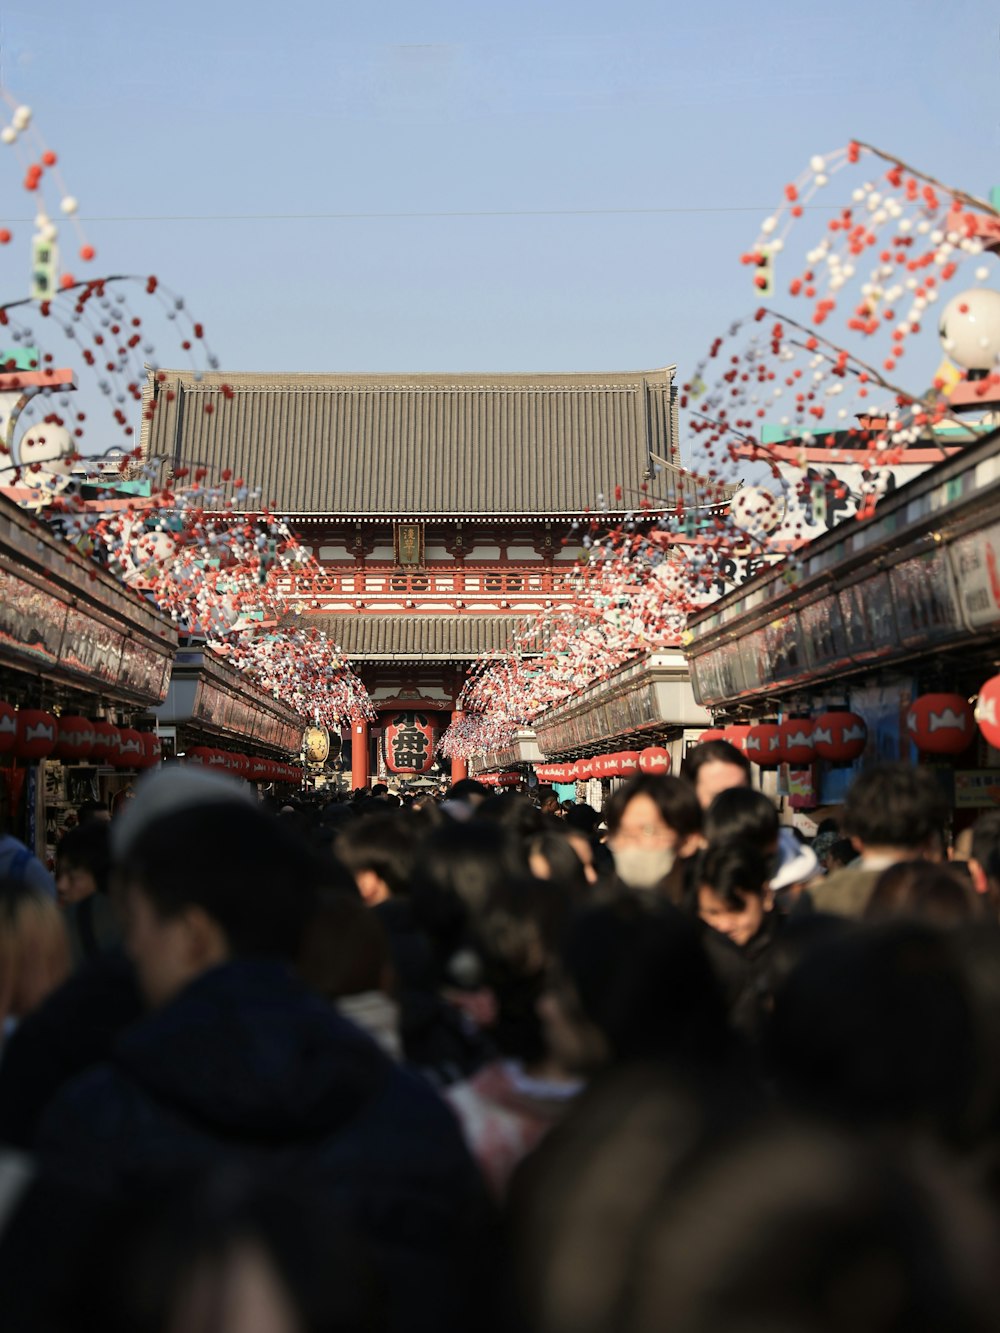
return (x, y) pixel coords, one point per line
(452, 213)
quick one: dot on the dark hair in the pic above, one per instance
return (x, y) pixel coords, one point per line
(733, 871)
(468, 861)
(895, 805)
(245, 869)
(583, 817)
(466, 787)
(380, 789)
(518, 813)
(552, 844)
(345, 950)
(90, 809)
(88, 847)
(713, 752)
(386, 844)
(642, 977)
(924, 891)
(674, 799)
(843, 851)
(741, 815)
(986, 843)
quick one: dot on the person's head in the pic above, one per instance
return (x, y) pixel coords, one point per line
(923, 891)
(345, 950)
(379, 790)
(553, 854)
(207, 884)
(734, 897)
(896, 810)
(739, 815)
(380, 852)
(93, 810)
(83, 862)
(548, 800)
(631, 983)
(468, 790)
(840, 854)
(34, 949)
(713, 767)
(467, 861)
(984, 856)
(651, 821)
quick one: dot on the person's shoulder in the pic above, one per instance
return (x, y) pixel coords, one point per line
(845, 891)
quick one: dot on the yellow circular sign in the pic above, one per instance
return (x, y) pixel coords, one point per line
(316, 745)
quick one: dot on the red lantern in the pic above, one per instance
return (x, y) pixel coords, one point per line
(628, 762)
(508, 779)
(74, 738)
(654, 759)
(737, 735)
(712, 734)
(129, 753)
(988, 711)
(584, 770)
(106, 742)
(239, 764)
(36, 734)
(840, 736)
(762, 744)
(259, 769)
(409, 743)
(218, 759)
(796, 745)
(8, 728)
(198, 754)
(941, 723)
(152, 750)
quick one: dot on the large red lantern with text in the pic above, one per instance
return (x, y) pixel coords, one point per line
(129, 753)
(796, 742)
(74, 738)
(654, 759)
(941, 723)
(762, 744)
(840, 736)
(8, 728)
(152, 750)
(988, 711)
(409, 743)
(737, 734)
(36, 734)
(107, 739)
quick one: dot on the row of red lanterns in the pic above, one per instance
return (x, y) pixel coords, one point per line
(938, 724)
(620, 764)
(32, 734)
(251, 767)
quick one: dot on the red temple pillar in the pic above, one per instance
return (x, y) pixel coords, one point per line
(459, 767)
(359, 753)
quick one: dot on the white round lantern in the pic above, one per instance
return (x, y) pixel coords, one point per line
(970, 328)
(49, 445)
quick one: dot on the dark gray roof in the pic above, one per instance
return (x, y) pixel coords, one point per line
(412, 445)
(423, 637)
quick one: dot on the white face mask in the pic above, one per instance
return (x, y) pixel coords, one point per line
(643, 867)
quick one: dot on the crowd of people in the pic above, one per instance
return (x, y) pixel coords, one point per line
(498, 1062)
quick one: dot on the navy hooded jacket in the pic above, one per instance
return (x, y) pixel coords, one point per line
(246, 1063)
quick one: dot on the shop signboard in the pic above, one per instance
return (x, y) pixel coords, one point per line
(975, 560)
(31, 619)
(927, 609)
(91, 647)
(977, 788)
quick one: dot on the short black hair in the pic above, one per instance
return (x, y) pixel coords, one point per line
(386, 844)
(674, 799)
(88, 847)
(741, 815)
(466, 787)
(713, 752)
(986, 843)
(734, 872)
(245, 869)
(895, 805)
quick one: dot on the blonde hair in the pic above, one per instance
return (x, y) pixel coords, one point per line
(34, 949)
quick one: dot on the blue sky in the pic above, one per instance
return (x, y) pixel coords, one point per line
(202, 110)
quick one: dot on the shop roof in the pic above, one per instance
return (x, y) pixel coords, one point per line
(420, 444)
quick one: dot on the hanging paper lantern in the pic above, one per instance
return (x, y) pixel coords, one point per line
(988, 711)
(796, 744)
(654, 759)
(259, 769)
(762, 744)
(152, 750)
(74, 738)
(712, 734)
(129, 753)
(36, 734)
(737, 734)
(107, 740)
(628, 762)
(840, 736)
(508, 779)
(240, 765)
(941, 723)
(8, 728)
(198, 754)
(584, 770)
(409, 743)
(218, 759)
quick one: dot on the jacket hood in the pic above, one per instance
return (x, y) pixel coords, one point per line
(246, 1052)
